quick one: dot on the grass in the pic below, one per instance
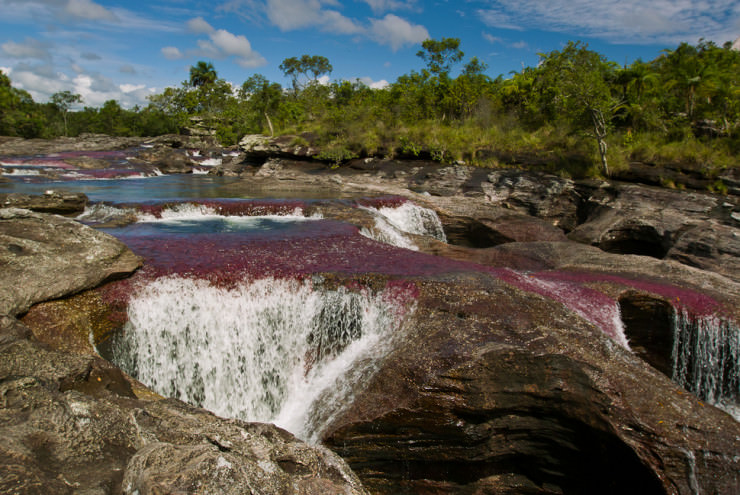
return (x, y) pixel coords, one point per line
(505, 141)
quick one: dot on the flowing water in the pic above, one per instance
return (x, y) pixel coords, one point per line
(265, 350)
(228, 313)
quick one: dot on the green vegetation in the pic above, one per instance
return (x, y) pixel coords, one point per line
(576, 113)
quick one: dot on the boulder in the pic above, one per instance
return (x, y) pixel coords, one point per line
(59, 202)
(47, 256)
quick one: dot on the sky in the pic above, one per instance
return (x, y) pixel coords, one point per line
(128, 50)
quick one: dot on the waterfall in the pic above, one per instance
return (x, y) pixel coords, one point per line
(265, 351)
(392, 222)
(706, 359)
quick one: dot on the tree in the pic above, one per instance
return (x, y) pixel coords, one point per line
(294, 68)
(574, 83)
(440, 55)
(264, 97)
(202, 74)
(64, 100)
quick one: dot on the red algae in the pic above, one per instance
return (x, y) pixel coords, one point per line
(389, 201)
(695, 303)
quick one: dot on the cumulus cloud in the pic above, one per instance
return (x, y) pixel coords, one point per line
(199, 25)
(290, 15)
(396, 32)
(30, 48)
(628, 21)
(219, 45)
(171, 53)
(237, 45)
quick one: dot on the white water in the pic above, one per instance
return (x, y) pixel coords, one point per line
(194, 212)
(271, 350)
(392, 222)
(706, 359)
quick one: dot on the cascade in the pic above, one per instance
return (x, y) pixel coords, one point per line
(392, 221)
(269, 350)
(706, 359)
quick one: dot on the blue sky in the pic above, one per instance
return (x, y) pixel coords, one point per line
(127, 50)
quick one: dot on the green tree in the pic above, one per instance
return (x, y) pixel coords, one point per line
(263, 98)
(298, 69)
(441, 55)
(575, 83)
(63, 101)
(202, 74)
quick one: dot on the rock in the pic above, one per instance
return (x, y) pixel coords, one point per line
(71, 425)
(47, 256)
(86, 162)
(259, 148)
(59, 202)
(72, 422)
(543, 196)
(83, 142)
(695, 228)
(473, 397)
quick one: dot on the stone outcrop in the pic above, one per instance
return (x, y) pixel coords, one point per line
(259, 148)
(58, 202)
(47, 256)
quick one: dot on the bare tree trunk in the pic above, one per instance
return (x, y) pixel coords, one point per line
(597, 117)
(269, 124)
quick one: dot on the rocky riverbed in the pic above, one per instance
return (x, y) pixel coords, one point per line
(508, 377)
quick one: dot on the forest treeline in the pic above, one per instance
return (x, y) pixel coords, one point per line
(576, 111)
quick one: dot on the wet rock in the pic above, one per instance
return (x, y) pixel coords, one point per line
(48, 256)
(59, 202)
(492, 387)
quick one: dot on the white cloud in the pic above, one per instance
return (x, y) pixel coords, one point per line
(88, 10)
(491, 38)
(367, 81)
(30, 48)
(397, 32)
(127, 69)
(127, 88)
(172, 53)
(335, 22)
(237, 45)
(199, 25)
(626, 21)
